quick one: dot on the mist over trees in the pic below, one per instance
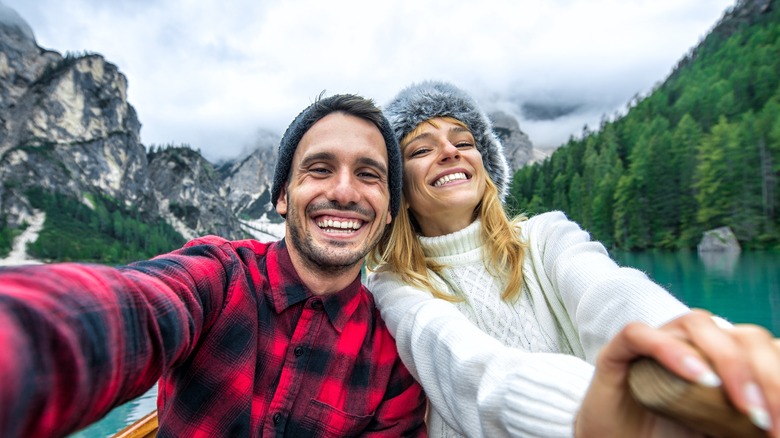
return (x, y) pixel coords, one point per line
(699, 152)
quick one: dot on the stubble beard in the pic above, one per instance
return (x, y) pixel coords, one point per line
(325, 259)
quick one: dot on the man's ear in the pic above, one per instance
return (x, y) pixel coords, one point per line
(281, 201)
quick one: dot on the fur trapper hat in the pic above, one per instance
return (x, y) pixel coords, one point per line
(426, 100)
(311, 115)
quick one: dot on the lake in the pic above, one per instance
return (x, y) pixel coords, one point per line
(743, 288)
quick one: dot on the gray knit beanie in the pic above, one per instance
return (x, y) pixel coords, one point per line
(426, 100)
(350, 104)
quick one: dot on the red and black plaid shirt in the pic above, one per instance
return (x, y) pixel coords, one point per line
(240, 344)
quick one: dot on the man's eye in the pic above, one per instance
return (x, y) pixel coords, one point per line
(464, 145)
(368, 175)
(320, 170)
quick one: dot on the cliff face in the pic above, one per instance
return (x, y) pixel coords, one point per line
(517, 146)
(248, 179)
(190, 193)
(66, 126)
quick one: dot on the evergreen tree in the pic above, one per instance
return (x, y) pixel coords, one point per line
(713, 179)
(702, 150)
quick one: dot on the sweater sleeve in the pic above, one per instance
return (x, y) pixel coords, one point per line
(479, 386)
(599, 296)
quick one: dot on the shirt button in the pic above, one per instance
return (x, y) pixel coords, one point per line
(316, 305)
(277, 418)
(298, 351)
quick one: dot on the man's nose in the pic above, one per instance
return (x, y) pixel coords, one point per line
(345, 188)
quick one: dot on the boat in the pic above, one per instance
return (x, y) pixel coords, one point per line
(144, 427)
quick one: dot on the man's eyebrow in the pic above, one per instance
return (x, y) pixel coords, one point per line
(329, 156)
(319, 156)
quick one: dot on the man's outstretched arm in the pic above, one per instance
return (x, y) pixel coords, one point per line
(77, 340)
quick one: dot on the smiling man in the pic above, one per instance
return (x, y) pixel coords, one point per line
(336, 197)
(246, 338)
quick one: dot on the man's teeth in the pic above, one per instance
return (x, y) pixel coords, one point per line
(341, 225)
(451, 177)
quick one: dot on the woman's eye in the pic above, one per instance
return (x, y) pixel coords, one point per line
(464, 144)
(419, 151)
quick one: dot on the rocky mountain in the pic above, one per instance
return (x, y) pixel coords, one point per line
(66, 127)
(248, 179)
(517, 146)
(191, 193)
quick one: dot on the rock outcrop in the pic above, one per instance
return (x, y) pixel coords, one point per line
(719, 240)
(248, 179)
(517, 145)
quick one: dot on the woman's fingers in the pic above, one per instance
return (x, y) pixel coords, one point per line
(761, 393)
(608, 408)
(743, 359)
(746, 359)
(669, 346)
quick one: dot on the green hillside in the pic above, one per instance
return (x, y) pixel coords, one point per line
(107, 233)
(699, 152)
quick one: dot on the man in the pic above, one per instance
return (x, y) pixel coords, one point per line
(247, 338)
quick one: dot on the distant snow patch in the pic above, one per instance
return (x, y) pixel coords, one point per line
(18, 255)
(263, 230)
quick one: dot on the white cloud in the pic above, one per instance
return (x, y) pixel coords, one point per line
(210, 73)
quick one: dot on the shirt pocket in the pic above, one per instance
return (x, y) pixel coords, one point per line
(327, 421)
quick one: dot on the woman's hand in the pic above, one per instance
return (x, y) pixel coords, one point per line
(744, 359)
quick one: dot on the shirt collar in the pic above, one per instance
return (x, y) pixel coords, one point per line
(287, 289)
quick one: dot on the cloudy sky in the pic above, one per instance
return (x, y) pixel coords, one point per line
(215, 74)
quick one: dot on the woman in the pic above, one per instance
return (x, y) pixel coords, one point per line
(535, 288)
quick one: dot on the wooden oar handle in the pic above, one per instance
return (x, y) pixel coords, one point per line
(701, 408)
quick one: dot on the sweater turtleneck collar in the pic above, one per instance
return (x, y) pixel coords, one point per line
(459, 242)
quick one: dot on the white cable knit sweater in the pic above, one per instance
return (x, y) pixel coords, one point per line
(528, 377)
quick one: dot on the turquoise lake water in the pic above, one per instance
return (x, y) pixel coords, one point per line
(743, 288)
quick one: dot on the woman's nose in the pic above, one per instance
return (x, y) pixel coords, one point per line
(449, 151)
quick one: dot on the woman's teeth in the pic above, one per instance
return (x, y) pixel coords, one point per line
(451, 177)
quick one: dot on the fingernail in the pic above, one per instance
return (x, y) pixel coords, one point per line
(704, 374)
(757, 412)
(760, 417)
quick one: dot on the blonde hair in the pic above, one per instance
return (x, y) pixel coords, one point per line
(400, 249)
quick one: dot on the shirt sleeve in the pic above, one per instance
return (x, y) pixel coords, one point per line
(480, 387)
(77, 340)
(599, 296)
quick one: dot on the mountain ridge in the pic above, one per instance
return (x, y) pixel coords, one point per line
(66, 126)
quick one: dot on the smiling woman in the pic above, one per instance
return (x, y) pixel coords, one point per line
(442, 198)
(502, 320)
